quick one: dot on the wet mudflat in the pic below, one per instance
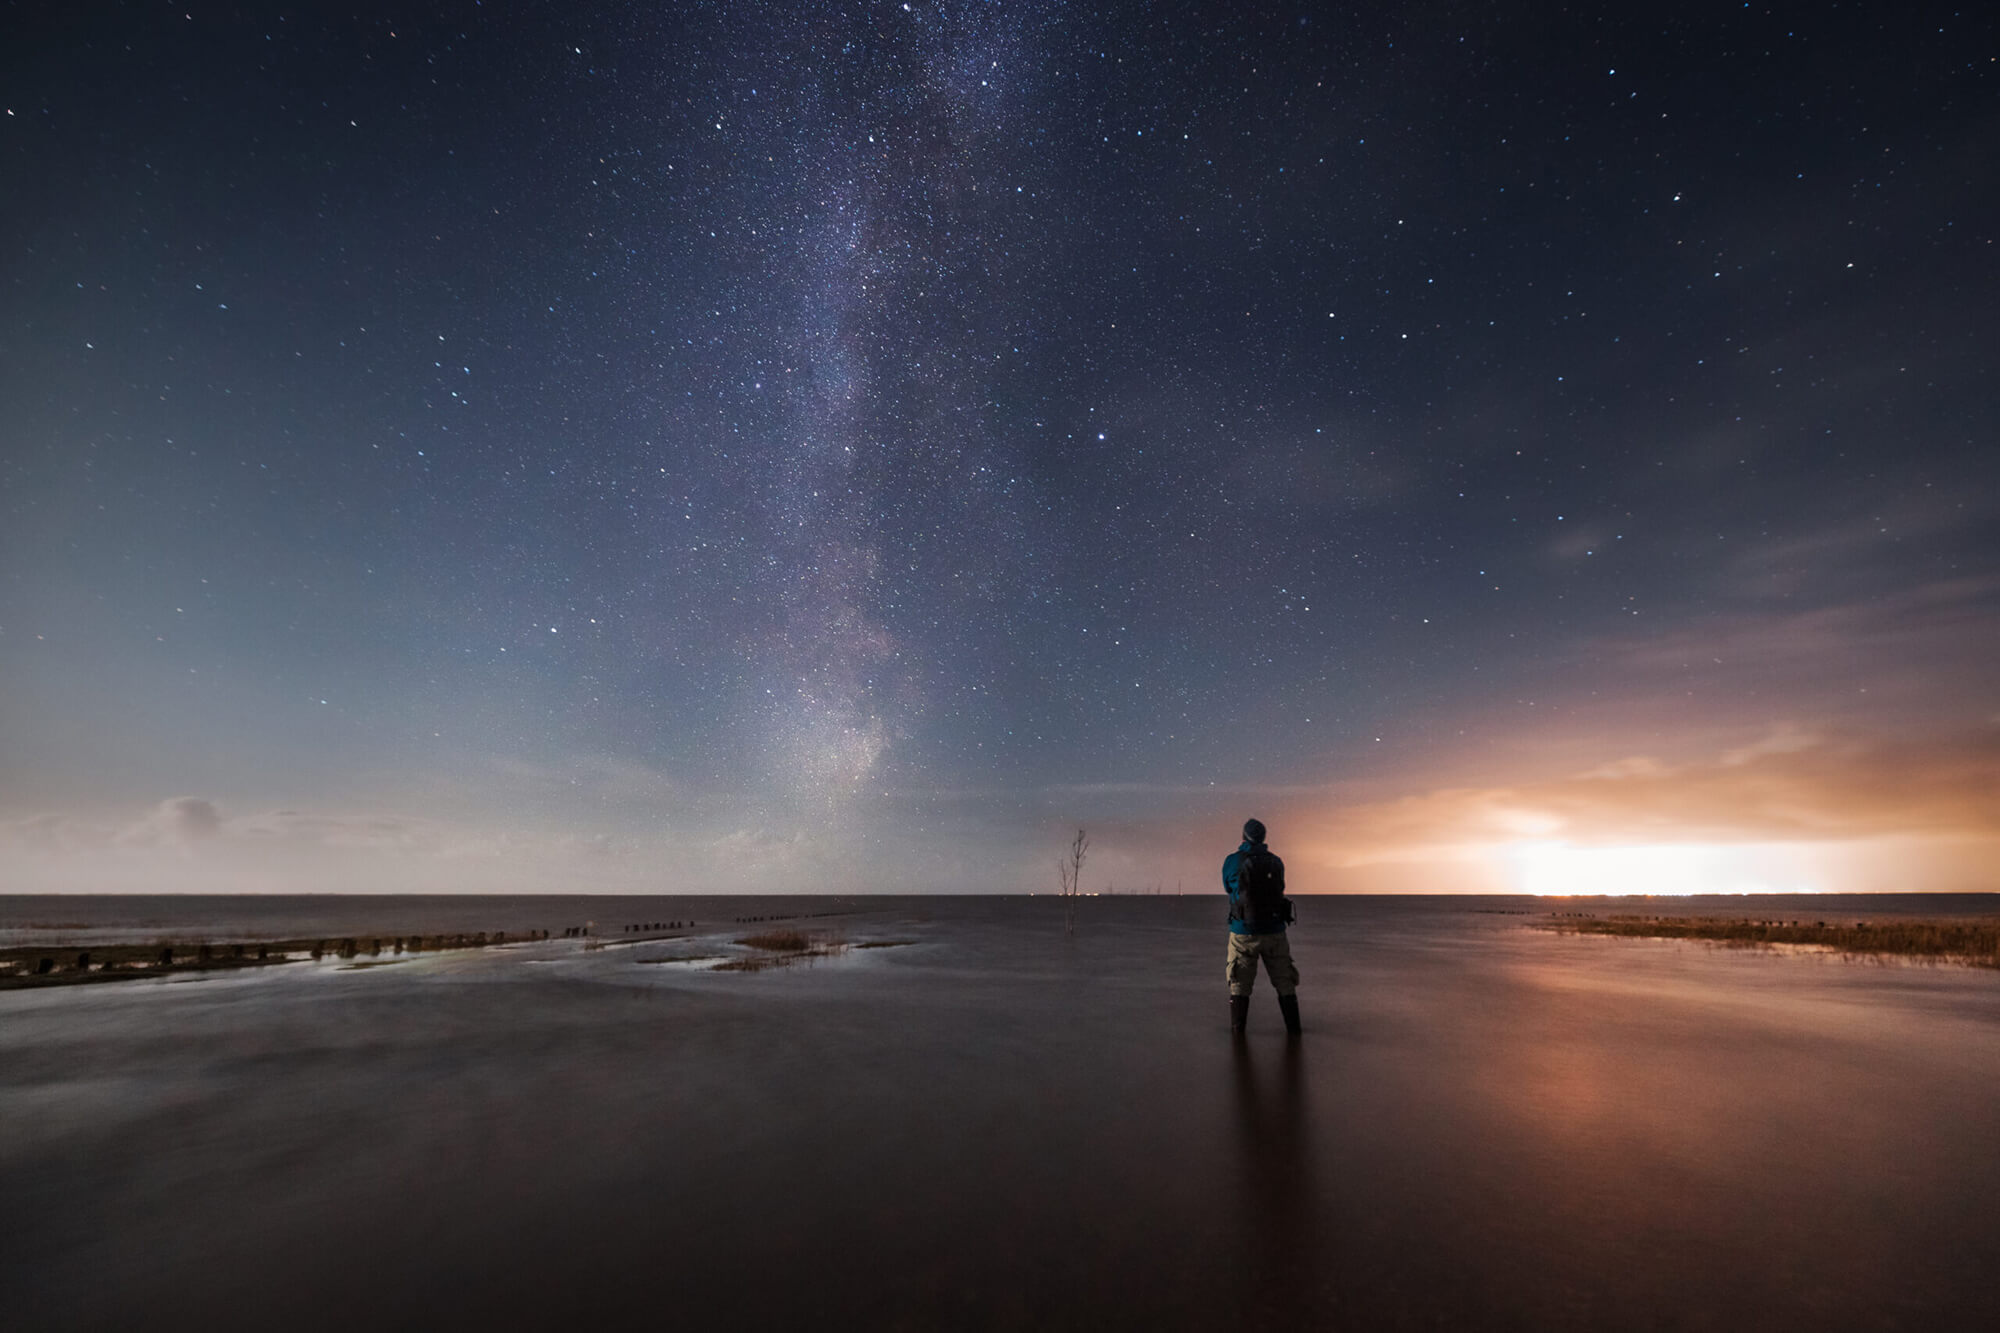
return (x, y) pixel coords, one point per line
(992, 1125)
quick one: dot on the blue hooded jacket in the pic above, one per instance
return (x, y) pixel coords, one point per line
(1237, 925)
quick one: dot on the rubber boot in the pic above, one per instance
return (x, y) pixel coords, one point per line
(1239, 1014)
(1289, 1006)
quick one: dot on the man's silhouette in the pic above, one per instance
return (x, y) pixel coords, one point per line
(1254, 878)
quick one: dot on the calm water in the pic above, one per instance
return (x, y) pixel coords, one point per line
(998, 1126)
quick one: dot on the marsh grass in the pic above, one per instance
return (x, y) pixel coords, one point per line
(1974, 943)
(782, 948)
(783, 940)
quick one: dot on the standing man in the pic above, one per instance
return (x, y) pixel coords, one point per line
(1254, 878)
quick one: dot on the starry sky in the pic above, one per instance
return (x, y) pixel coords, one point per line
(847, 446)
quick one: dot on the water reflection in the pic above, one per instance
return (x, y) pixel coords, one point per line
(1275, 1173)
(1483, 1127)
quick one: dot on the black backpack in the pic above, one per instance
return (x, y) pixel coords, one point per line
(1260, 887)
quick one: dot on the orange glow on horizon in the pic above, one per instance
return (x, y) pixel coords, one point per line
(1561, 869)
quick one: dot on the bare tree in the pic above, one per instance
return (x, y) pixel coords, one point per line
(1069, 873)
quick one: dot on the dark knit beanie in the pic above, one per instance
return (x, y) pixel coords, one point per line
(1253, 830)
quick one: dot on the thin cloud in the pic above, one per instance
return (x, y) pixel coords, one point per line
(179, 821)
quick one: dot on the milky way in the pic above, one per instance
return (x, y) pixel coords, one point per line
(847, 446)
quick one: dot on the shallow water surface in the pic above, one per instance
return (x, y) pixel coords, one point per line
(998, 1125)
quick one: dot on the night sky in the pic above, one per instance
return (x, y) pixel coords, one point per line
(847, 446)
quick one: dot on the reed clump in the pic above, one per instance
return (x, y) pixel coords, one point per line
(781, 948)
(783, 940)
(1973, 943)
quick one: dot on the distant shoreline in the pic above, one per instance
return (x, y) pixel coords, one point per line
(1966, 942)
(81, 961)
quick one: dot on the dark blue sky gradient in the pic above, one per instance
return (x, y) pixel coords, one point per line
(846, 446)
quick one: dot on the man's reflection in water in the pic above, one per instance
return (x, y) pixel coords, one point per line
(1284, 1268)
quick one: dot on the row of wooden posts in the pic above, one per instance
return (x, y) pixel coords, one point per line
(351, 946)
(589, 928)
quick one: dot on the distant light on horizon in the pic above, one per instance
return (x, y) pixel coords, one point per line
(1562, 869)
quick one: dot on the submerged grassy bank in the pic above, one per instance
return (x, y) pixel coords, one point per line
(74, 964)
(1973, 943)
